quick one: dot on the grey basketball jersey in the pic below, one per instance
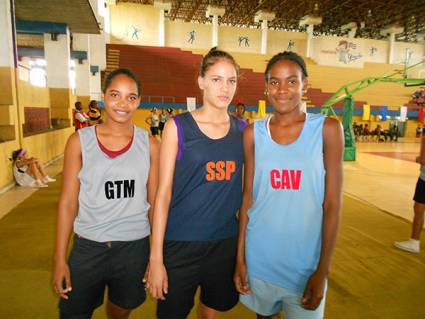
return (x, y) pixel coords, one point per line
(113, 202)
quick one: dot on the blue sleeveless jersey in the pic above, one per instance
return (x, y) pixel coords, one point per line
(283, 240)
(207, 185)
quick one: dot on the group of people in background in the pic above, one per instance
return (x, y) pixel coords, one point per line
(362, 132)
(157, 121)
(82, 119)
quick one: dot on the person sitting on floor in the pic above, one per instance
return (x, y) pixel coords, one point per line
(28, 171)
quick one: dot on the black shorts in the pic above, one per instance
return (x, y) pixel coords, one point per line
(210, 265)
(161, 125)
(419, 196)
(118, 265)
(154, 130)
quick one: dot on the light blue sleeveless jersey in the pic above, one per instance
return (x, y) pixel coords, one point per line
(284, 232)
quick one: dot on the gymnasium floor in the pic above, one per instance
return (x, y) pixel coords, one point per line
(369, 278)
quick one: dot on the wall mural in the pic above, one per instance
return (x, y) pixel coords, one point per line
(243, 40)
(373, 50)
(291, 45)
(345, 52)
(132, 32)
(192, 35)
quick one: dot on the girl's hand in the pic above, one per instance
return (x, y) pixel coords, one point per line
(240, 279)
(157, 280)
(314, 291)
(62, 279)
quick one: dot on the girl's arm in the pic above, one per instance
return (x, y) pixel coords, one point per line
(421, 158)
(157, 278)
(67, 210)
(152, 185)
(240, 277)
(333, 149)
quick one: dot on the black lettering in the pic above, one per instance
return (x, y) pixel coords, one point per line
(109, 190)
(118, 184)
(129, 188)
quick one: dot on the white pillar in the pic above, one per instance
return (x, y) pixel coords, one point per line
(161, 28)
(107, 23)
(82, 68)
(391, 48)
(57, 55)
(309, 49)
(6, 39)
(215, 30)
(264, 30)
(95, 87)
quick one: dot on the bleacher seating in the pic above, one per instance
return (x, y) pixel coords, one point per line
(172, 72)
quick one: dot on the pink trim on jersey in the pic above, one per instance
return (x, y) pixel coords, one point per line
(113, 154)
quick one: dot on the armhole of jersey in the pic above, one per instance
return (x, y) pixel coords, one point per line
(267, 123)
(179, 136)
(83, 153)
(241, 124)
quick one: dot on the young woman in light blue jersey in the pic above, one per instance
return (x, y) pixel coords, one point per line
(291, 202)
(110, 178)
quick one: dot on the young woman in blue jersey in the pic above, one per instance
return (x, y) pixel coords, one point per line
(194, 231)
(292, 199)
(110, 178)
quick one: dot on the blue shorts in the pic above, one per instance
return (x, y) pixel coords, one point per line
(267, 299)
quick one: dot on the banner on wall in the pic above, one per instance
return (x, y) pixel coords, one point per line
(261, 108)
(384, 113)
(403, 113)
(421, 115)
(366, 112)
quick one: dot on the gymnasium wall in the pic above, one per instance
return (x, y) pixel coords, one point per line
(277, 41)
(235, 39)
(46, 146)
(134, 24)
(139, 24)
(187, 35)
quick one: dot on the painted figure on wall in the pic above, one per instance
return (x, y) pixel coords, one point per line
(243, 40)
(291, 45)
(344, 52)
(191, 36)
(135, 34)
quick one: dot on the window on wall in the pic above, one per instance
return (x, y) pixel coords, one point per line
(37, 72)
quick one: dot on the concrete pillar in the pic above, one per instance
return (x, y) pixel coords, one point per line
(391, 38)
(161, 28)
(95, 87)
(309, 50)
(264, 31)
(82, 68)
(57, 54)
(8, 98)
(215, 30)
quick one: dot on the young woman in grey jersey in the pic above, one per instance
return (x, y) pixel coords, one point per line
(109, 184)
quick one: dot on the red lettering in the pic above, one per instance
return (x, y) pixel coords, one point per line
(295, 179)
(286, 183)
(274, 174)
